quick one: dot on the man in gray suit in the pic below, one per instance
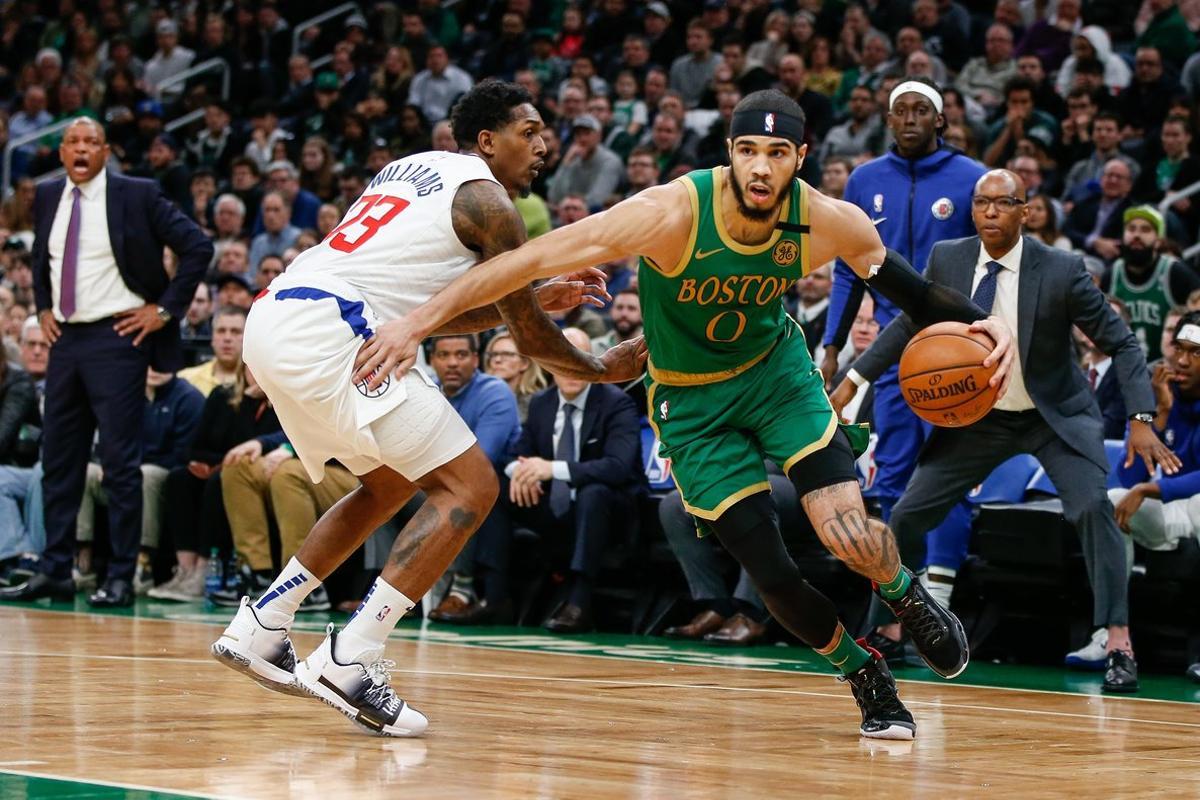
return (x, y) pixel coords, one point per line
(1046, 409)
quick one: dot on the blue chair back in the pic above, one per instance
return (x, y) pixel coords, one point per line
(1007, 482)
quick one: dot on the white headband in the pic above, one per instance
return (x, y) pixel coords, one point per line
(1189, 333)
(921, 89)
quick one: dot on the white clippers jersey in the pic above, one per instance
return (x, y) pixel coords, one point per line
(397, 245)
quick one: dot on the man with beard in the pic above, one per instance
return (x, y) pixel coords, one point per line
(1149, 284)
(626, 314)
(731, 381)
(426, 219)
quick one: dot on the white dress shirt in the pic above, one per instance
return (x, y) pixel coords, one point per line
(1005, 307)
(100, 291)
(1101, 368)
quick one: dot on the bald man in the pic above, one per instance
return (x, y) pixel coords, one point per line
(1048, 409)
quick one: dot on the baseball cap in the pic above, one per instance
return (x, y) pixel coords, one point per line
(658, 9)
(587, 121)
(327, 82)
(168, 140)
(356, 21)
(227, 278)
(1148, 213)
(166, 26)
(151, 108)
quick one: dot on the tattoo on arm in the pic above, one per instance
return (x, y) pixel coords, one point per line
(486, 221)
(865, 545)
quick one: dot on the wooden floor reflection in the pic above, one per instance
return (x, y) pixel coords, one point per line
(139, 702)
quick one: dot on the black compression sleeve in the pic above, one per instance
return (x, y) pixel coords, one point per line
(923, 301)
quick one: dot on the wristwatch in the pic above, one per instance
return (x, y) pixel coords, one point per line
(1143, 416)
(163, 314)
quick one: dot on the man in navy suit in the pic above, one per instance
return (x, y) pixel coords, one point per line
(576, 476)
(109, 310)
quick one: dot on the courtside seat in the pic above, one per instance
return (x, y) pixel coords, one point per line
(1007, 482)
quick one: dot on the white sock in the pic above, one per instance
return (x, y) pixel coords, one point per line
(375, 618)
(941, 584)
(277, 606)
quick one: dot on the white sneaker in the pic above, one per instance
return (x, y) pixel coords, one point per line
(1092, 656)
(169, 585)
(188, 589)
(260, 653)
(360, 690)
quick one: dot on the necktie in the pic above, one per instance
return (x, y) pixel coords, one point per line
(560, 492)
(66, 298)
(1092, 375)
(985, 292)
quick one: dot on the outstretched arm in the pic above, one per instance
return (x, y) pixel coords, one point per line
(585, 287)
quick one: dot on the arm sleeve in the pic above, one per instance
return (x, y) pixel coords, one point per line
(844, 299)
(886, 349)
(1178, 487)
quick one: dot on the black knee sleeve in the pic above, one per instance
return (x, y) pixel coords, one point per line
(750, 532)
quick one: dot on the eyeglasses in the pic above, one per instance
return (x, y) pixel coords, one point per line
(1005, 204)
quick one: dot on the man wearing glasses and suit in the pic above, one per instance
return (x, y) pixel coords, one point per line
(1047, 410)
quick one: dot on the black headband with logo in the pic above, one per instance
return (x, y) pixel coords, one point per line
(767, 123)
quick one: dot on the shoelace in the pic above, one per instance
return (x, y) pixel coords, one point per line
(920, 621)
(879, 695)
(381, 693)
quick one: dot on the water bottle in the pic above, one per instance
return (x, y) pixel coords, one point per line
(213, 579)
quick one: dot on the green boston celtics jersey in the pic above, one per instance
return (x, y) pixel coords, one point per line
(719, 309)
(1148, 304)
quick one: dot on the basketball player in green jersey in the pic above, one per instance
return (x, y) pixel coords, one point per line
(730, 378)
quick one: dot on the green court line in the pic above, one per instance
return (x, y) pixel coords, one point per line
(1154, 687)
(22, 786)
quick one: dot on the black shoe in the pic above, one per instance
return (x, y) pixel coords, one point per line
(316, 600)
(1120, 673)
(18, 571)
(936, 632)
(1193, 672)
(231, 595)
(883, 715)
(40, 586)
(893, 652)
(115, 593)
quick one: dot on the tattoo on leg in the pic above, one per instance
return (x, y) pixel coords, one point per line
(463, 519)
(424, 524)
(865, 545)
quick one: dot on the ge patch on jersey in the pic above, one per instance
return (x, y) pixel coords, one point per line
(786, 253)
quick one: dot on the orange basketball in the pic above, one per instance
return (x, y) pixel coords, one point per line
(942, 376)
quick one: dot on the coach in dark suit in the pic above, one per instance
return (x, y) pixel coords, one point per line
(110, 310)
(576, 477)
(1048, 409)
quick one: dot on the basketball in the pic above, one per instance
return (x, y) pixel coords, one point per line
(942, 376)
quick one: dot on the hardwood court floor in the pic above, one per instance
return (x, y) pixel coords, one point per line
(102, 702)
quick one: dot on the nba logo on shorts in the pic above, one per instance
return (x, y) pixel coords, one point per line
(365, 391)
(769, 123)
(383, 612)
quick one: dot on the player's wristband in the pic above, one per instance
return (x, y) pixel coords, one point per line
(856, 379)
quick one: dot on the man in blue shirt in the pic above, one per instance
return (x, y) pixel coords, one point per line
(489, 408)
(1160, 512)
(917, 194)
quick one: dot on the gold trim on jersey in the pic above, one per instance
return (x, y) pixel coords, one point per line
(650, 409)
(826, 437)
(723, 506)
(670, 377)
(718, 179)
(685, 257)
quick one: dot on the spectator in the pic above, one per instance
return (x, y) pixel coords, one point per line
(835, 173)
(823, 76)
(1175, 171)
(1149, 283)
(169, 60)
(283, 177)
(490, 411)
(1019, 120)
(202, 188)
(227, 327)
(1042, 222)
(812, 308)
(233, 259)
(229, 219)
(1031, 173)
(588, 168)
(1095, 224)
(298, 96)
(244, 184)
(818, 110)
(1143, 105)
(1049, 39)
(942, 37)
(691, 73)
(172, 418)
(574, 480)
(197, 323)
(278, 233)
(35, 356)
(523, 375)
(265, 133)
(1045, 96)
(984, 77)
(442, 137)
(749, 76)
(1159, 512)
(270, 268)
(234, 290)
(666, 140)
(435, 88)
(626, 315)
(641, 171)
(95, 375)
(572, 208)
(1106, 146)
(1168, 32)
(215, 145)
(238, 423)
(328, 218)
(164, 167)
(1103, 381)
(1092, 45)
(862, 134)
(32, 116)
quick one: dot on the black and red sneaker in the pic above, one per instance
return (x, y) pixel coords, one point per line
(874, 689)
(935, 631)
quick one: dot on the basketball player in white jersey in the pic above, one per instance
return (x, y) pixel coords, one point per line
(421, 222)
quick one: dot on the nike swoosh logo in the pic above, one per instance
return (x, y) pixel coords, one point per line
(876, 222)
(701, 255)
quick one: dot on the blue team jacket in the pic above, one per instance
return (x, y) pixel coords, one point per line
(1182, 435)
(916, 203)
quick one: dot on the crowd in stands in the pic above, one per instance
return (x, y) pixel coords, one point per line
(1095, 104)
